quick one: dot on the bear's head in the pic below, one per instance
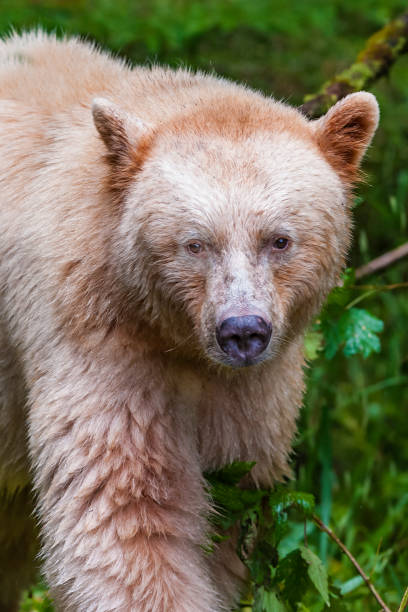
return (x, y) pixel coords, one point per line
(234, 217)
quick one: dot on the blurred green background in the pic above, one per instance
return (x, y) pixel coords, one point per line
(352, 449)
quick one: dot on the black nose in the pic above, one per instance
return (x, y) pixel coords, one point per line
(244, 338)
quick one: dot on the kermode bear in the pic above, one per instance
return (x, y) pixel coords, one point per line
(165, 239)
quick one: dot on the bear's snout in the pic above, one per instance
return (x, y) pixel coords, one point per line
(243, 338)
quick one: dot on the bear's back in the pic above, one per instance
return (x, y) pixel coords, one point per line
(52, 75)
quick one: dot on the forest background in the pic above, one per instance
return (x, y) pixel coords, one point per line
(352, 451)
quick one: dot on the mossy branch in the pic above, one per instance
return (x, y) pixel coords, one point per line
(375, 60)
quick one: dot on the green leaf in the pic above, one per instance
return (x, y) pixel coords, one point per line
(262, 563)
(313, 344)
(36, 600)
(317, 572)
(356, 330)
(332, 337)
(232, 503)
(267, 601)
(360, 331)
(280, 501)
(291, 578)
(348, 277)
(231, 474)
(337, 602)
(340, 296)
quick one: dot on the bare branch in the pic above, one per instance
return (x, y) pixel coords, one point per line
(375, 60)
(379, 263)
(344, 549)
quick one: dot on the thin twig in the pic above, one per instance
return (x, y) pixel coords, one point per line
(379, 263)
(364, 576)
(376, 288)
(370, 290)
(360, 298)
(404, 601)
(305, 533)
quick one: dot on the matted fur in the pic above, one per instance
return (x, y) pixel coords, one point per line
(108, 321)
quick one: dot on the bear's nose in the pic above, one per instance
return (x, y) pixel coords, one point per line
(243, 338)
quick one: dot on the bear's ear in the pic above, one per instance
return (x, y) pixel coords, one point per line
(345, 132)
(120, 132)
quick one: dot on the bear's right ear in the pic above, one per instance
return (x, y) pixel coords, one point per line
(119, 131)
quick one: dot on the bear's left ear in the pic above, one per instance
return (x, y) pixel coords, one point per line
(345, 132)
(120, 132)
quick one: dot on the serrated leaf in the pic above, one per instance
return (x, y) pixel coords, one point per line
(232, 503)
(360, 331)
(262, 563)
(267, 601)
(291, 578)
(281, 501)
(340, 295)
(233, 473)
(356, 330)
(317, 572)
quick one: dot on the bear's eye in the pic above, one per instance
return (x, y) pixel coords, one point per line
(195, 248)
(281, 243)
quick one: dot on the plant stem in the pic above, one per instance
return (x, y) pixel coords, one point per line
(344, 549)
(360, 298)
(404, 601)
(376, 288)
(371, 290)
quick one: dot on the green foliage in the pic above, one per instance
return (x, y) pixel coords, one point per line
(356, 329)
(316, 572)
(343, 325)
(267, 601)
(231, 474)
(232, 502)
(278, 581)
(36, 600)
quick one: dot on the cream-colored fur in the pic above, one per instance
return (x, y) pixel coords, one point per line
(108, 319)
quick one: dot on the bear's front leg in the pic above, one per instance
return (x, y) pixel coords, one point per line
(120, 495)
